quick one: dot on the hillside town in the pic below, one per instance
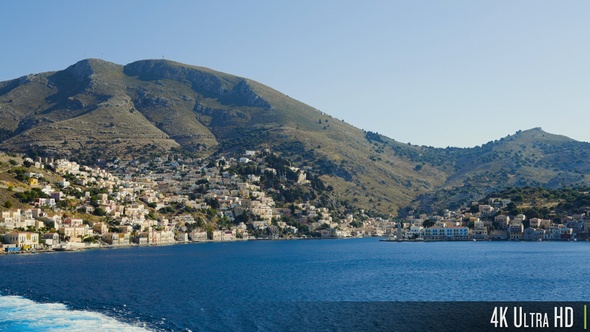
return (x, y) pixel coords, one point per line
(180, 200)
(166, 201)
(488, 223)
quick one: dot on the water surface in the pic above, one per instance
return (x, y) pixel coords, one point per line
(251, 285)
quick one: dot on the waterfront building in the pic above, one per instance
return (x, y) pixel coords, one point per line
(480, 233)
(51, 239)
(498, 235)
(116, 238)
(516, 231)
(446, 233)
(23, 240)
(415, 232)
(561, 233)
(457, 233)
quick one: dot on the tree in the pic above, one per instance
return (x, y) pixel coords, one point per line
(100, 212)
(212, 202)
(8, 204)
(89, 239)
(428, 223)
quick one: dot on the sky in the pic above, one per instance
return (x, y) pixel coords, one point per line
(435, 73)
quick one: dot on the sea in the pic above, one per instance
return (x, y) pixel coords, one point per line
(291, 285)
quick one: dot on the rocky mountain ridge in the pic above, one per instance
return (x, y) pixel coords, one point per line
(99, 110)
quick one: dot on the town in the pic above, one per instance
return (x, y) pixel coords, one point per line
(256, 196)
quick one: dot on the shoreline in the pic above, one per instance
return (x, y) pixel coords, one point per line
(488, 240)
(135, 245)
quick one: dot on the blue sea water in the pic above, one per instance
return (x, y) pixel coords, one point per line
(274, 285)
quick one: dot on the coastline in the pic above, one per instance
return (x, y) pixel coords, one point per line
(135, 245)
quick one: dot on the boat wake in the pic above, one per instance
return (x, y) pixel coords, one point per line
(21, 314)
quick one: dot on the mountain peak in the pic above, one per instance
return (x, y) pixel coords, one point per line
(538, 133)
(97, 109)
(88, 70)
(536, 129)
(87, 67)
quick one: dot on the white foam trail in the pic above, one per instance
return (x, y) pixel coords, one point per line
(20, 314)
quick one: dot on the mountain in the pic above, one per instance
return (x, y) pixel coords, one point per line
(99, 110)
(531, 158)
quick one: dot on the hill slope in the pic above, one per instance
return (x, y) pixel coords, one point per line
(95, 109)
(99, 110)
(531, 158)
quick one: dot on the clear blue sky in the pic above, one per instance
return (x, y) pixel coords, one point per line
(438, 73)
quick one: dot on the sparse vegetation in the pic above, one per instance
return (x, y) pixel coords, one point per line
(200, 112)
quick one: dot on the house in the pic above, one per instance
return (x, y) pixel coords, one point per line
(328, 233)
(100, 228)
(58, 195)
(535, 222)
(576, 225)
(502, 220)
(73, 222)
(529, 234)
(415, 232)
(23, 240)
(116, 239)
(579, 217)
(10, 217)
(479, 224)
(457, 233)
(546, 223)
(217, 236)
(45, 202)
(38, 224)
(198, 236)
(516, 231)
(73, 232)
(486, 209)
(480, 233)
(561, 233)
(519, 219)
(434, 233)
(182, 237)
(228, 236)
(142, 238)
(38, 213)
(51, 239)
(163, 237)
(533, 234)
(498, 235)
